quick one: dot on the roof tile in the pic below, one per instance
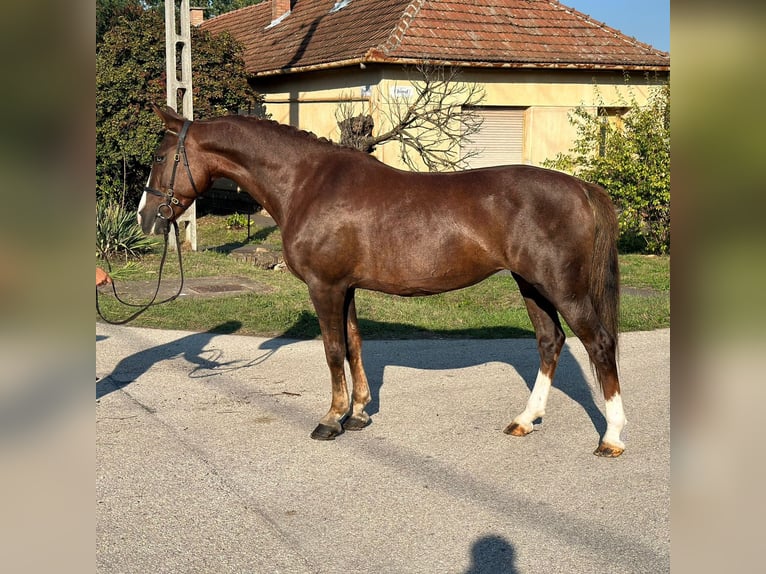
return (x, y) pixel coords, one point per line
(477, 32)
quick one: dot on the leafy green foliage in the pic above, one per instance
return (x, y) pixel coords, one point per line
(236, 221)
(117, 231)
(108, 13)
(631, 159)
(130, 74)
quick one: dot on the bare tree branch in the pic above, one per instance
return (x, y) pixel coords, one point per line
(430, 129)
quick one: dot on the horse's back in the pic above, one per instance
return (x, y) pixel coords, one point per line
(420, 233)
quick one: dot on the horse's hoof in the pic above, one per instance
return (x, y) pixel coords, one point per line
(608, 450)
(325, 432)
(355, 424)
(516, 429)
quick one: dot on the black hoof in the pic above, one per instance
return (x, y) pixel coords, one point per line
(353, 424)
(324, 432)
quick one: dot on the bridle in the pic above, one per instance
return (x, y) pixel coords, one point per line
(170, 199)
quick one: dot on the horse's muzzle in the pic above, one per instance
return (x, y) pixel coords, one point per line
(150, 223)
(149, 217)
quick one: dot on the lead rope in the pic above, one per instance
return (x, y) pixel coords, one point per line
(145, 306)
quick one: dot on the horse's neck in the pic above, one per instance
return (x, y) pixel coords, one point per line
(257, 164)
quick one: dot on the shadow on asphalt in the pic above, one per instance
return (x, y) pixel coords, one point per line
(492, 555)
(190, 347)
(569, 377)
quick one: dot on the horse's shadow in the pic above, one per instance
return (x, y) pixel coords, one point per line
(191, 347)
(569, 377)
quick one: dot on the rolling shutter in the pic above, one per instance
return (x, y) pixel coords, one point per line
(500, 140)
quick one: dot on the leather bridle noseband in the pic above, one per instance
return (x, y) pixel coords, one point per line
(170, 199)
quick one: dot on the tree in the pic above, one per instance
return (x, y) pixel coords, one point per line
(429, 126)
(130, 74)
(108, 13)
(631, 159)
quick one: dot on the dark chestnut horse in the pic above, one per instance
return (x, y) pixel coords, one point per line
(350, 222)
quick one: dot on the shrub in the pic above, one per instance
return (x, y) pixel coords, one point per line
(631, 160)
(117, 231)
(236, 221)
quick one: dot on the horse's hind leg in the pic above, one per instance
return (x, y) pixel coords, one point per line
(361, 393)
(550, 339)
(602, 350)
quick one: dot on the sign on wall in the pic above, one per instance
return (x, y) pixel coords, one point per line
(402, 92)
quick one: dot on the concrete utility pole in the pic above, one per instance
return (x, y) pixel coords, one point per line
(179, 85)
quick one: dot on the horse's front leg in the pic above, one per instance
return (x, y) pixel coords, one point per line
(330, 306)
(361, 393)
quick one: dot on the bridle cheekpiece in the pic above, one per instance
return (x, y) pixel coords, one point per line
(170, 199)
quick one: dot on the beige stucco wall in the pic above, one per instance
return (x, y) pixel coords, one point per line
(310, 101)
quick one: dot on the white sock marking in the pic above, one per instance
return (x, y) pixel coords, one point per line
(615, 421)
(536, 403)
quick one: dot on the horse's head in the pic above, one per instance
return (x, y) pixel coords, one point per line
(171, 187)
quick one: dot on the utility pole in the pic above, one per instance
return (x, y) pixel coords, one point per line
(178, 71)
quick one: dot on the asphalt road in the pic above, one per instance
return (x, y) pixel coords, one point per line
(204, 461)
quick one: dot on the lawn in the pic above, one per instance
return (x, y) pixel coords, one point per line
(491, 309)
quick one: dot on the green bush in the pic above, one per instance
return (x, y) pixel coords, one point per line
(236, 221)
(631, 160)
(117, 231)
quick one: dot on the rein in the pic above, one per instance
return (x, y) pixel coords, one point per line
(144, 306)
(170, 201)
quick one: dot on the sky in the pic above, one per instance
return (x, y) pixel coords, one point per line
(646, 20)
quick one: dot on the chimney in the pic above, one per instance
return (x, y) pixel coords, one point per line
(196, 15)
(280, 9)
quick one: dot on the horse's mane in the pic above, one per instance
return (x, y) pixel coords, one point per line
(304, 134)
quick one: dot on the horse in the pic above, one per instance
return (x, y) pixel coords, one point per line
(349, 221)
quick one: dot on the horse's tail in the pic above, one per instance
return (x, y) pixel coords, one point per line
(605, 271)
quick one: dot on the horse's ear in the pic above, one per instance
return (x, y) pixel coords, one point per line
(169, 117)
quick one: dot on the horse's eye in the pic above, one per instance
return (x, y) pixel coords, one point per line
(159, 158)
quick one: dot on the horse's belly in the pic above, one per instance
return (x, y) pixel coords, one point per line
(410, 281)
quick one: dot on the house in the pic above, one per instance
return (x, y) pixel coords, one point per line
(536, 60)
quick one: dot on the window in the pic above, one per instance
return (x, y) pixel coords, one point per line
(500, 141)
(610, 116)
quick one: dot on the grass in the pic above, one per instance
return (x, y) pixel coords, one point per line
(491, 309)
(645, 272)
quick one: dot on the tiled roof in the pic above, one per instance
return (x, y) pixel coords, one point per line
(494, 33)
